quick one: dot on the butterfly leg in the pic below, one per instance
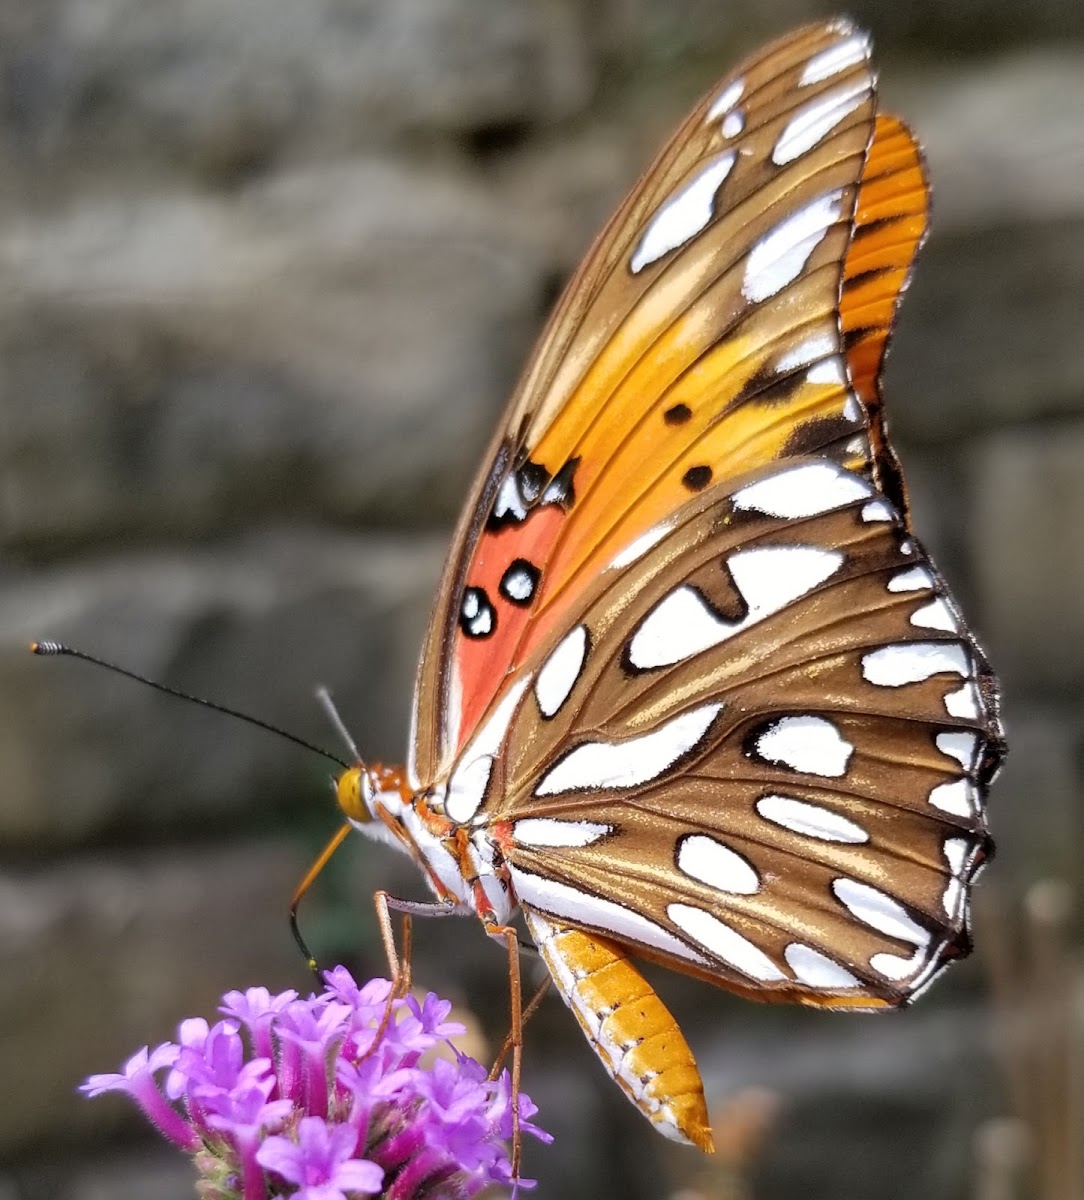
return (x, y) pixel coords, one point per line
(399, 962)
(528, 1013)
(510, 937)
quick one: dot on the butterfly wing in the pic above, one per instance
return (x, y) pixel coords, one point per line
(770, 741)
(689, 674)
(711, 295)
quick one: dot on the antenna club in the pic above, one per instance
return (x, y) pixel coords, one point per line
(48, 648)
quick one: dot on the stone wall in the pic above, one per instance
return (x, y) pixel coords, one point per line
(268, 273)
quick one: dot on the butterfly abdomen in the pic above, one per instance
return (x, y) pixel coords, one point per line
(628, 1026)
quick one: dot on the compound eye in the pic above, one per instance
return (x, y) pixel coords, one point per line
(352, 791)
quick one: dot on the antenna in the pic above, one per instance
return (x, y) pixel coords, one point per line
(323, 698)
(58, 648)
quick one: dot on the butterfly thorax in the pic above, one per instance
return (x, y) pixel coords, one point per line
(463, 867)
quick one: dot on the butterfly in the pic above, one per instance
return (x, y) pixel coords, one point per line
(692, 691)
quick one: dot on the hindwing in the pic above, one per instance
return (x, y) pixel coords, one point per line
(770, 740)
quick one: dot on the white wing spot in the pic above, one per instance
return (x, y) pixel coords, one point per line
(964, 703)
(703, 858)
(563, 900)
(877, 510)
(546, 832)
(953, 899)
(518, 584)
(560, 671)
(912, 662)
(835, 59)
(724, 942)
(641, 545)
(895, 966)
(817, 970)
(482, 623)
(828, 371)
(957, 851)
(959, 744)
(630, 762)
(935, 615)
(683, 216)
(725, 101)
(803, 491)
(733, 123)
(955, 798)
(467, 785)
(768, 577)
(879, 911)
(815, 120)
(509, 500)
(914, 579)
(807, 744)
(820, 345)
(810, 820)
(781, 255)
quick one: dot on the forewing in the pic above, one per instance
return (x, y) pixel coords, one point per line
(699, 340)
(764, 758)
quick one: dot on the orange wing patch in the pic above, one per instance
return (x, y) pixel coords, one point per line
(890, 225)
(496, 605)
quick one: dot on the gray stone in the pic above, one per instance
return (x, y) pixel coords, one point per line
(335, 344)
(988, 332)
(1035, 812)
(104, 954)
(1003, 140)
(636, 32)
(223, 88)
(256, 623)
(892, 1081)
(1027, 549)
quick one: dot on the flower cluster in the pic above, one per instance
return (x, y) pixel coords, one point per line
(293, 1097)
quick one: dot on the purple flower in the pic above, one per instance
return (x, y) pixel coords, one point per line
(321, 1162)
(291, 1098)
(210, 1056)
(255, 1009)
(307, 1034)
(137, 1080)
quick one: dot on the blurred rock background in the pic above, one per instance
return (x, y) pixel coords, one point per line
(267, 272)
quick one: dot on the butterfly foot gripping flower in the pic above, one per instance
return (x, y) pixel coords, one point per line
(292, 1097)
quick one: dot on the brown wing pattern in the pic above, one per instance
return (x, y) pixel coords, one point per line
(700, 339)
(774, 747)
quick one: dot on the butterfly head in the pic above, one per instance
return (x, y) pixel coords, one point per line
(353, 792)
(363, 790)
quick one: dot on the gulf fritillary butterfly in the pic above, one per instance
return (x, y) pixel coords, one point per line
(692, 690)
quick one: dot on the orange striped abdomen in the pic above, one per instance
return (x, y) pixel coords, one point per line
(628, 1027)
